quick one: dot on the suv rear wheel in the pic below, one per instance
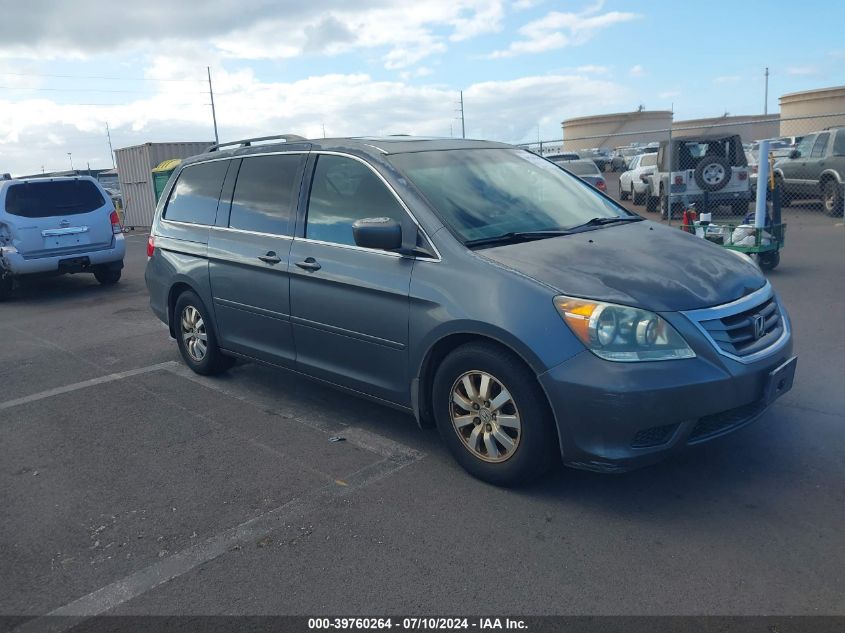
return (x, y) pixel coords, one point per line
(196, 337)
(493, 416)
(832, 197)
(106, 275)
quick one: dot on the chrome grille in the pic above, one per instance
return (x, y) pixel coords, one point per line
(747, 329)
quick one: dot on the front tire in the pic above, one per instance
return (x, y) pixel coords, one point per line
(197, 338)
(623, 195)
(493, 416)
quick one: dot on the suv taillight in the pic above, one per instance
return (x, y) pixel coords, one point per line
(115, 222)
(743, 175)
(601, 185)
(679, 180)
(151, 246)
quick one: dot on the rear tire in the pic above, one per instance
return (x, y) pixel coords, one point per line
(832, 198)
(623, 195)
(638, 198)
(650, 203)
(107, 276)
(505, 453)
(197, 338)
(6, 286)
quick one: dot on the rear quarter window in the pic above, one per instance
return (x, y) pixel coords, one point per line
(51, 199)
(194, 198)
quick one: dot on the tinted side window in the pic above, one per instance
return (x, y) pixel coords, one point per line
(839, 143)
(50, 199)
(820, 145)
(344, 190)
(805, 145)
(194, 198)
(265, 194)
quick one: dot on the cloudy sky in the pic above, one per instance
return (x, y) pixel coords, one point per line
(380, 67)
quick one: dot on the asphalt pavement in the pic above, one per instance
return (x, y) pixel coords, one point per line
(130, 486)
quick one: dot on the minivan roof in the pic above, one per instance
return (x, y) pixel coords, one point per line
(372, 145)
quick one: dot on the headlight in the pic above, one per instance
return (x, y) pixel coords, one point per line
(622, 333)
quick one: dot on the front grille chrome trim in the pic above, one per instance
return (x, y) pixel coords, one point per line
(756, 298)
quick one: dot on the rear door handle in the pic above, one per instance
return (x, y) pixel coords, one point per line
(270, 258)
(309, 264)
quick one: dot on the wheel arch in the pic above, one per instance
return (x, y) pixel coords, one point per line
(438, 349)
(178, 287)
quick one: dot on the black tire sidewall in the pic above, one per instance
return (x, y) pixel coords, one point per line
(107, 276)
(698, 174)
(836, 205)
(538, 443)
(214, 361)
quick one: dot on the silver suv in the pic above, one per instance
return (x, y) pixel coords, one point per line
(56, 226)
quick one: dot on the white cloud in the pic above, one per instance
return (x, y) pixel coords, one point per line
(592, 69)
(279, 29)
(636, 71)
(558, 29)
(727, 79)
(36, 131)
(802, 71)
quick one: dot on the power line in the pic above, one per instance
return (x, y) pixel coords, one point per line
(94, 90)
(96, 77)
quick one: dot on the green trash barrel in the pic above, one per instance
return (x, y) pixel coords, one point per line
(161, 174)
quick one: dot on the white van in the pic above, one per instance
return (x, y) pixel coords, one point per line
(56, 226)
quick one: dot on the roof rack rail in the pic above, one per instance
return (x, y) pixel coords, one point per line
(247, 142)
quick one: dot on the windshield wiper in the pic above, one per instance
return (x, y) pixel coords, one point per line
(605, 221)
(516, 236)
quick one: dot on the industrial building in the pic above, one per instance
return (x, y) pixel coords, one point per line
(134, 168)
(826, 101)
(604, 130)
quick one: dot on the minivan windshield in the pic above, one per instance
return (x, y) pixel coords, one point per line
(484, 193)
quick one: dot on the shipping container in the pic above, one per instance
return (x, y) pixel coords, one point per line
(135, 166)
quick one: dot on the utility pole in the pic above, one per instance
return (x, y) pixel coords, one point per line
(324, 130)
(213, 112)
(766, 98)
(70, 157)
(463, 126)
(111, 149)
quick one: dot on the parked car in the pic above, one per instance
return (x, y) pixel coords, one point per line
(633, 183)
(815, 169)
(710, 167)
(601, 157)
(564, 156)
(587, 171)
(54, 226)
(473, 284)
(623, 158)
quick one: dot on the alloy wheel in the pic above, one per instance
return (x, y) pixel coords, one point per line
(194, 334)
(485, 417)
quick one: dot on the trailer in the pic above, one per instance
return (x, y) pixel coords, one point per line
(134, 168)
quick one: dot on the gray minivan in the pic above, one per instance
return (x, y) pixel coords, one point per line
(51, 226)
(474, 284)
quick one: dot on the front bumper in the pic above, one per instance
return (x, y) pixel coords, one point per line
(17, 264)
(613, 417)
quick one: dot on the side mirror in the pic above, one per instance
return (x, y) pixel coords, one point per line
(795, 154)
(381, 233)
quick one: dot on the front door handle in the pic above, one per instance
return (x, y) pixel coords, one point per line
(270, 258)
(309, 264)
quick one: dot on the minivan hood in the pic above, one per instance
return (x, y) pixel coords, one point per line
(643, 264)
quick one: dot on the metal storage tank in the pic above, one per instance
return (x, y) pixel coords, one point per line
(752, 127)
(134, 168)
(639, 126)
(809, 102)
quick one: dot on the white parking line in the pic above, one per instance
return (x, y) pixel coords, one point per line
(180, 563)
(85, 384)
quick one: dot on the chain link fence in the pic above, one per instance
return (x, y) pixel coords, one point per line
(714, 168)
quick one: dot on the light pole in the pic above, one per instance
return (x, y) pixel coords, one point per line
(70, 158)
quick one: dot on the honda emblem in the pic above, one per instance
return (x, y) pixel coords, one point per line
(758, 323)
